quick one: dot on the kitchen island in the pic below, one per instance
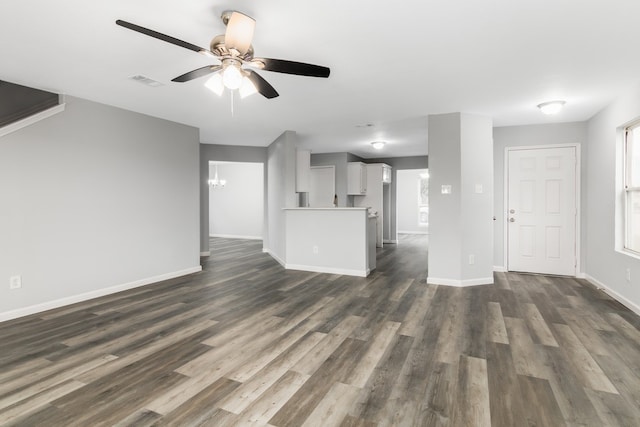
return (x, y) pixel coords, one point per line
(331, 240)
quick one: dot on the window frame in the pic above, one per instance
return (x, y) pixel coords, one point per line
(628, 171)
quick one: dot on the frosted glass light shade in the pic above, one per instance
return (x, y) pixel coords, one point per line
(247, 88)
(232, 77)
(239, 32)
(214, 84)
(378, 145)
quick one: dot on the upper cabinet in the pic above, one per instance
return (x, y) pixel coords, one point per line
(356, 178)
(303, 171)
(386, 174)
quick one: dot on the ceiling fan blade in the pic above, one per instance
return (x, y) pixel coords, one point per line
(239, 33)
(161, 36)
(262, 86)
(203, 71)
(292, 67)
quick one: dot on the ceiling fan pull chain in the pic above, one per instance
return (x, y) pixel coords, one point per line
(231, 92)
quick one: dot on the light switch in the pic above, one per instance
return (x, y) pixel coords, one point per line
(478, 188)
(446, 189)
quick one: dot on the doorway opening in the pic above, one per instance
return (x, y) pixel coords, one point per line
(236, 209)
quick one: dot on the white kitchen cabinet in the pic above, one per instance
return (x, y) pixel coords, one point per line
(386, 174)
(377, 198)
(303, 171)
(356, 178)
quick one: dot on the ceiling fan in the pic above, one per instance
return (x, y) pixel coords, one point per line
(234, 50)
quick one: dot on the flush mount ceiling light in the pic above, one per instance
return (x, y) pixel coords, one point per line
(378, 145)
(551, 107)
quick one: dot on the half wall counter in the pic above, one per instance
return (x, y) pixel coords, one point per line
(330, 240)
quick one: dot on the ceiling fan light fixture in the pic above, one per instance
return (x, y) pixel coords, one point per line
(378, 145)
(247, 88)
(215, 85)
(551, 107)
(232, 77)
(239, 32)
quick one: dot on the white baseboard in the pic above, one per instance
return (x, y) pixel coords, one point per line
(499, 269)
(413, 232)
(615, 295)
(316, 269)
(206, 253)
(49, 305)
(235, 236)
(460, 283)
(274, 256)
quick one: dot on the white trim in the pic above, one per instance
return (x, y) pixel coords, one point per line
(235, 236)
(34, 118)
(628, 252)
(317, 269)
(499, 269)
(505, 197)
(205, 253)
(413, 232)
(615, 295)
(274, 256)
(49, 305)
(460, 283)
(392, 242)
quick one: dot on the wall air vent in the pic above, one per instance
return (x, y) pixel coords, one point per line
(146, 81)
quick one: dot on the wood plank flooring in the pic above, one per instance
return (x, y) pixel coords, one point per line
(245, 342)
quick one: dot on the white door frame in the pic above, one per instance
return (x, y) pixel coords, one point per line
(505, 202)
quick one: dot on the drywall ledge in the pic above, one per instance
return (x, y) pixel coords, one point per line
(31, 120)
(50, 305)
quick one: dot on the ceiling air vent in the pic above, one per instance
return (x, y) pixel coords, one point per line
(146, 81)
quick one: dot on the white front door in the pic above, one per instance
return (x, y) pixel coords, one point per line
(541, 210)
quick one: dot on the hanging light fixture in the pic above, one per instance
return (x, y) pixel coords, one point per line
(378, 145)
(215, 182)
(231, 78)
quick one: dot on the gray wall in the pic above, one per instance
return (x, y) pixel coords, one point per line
(532, 135)
(604, 262)
(237, 209)
(460, 223)
(93, 198)
(281, 191)
(444, 210)
(226, 153)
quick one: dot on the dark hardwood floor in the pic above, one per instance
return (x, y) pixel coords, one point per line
(246, 342)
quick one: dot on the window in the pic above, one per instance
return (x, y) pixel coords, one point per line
(632, 187)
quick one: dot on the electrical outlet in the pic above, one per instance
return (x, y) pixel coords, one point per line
(315, 249)
(15, 282)
(472, 259)
(628, 275)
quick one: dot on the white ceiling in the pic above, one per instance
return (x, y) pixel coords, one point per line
(392, 64)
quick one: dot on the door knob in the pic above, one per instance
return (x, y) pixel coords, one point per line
(512, 220)
(512, 211)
